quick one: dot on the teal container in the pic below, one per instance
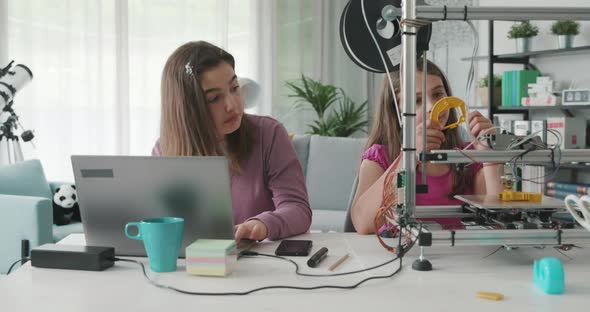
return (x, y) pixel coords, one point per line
(162, 238)
(548, 275)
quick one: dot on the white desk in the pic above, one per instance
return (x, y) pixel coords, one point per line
(459, 273)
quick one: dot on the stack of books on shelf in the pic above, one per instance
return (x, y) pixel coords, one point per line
(534, 177)
(561, 190)
(540, 93)
(515, 86)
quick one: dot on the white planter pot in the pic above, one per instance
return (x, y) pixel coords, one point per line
(565, 41)
(523, 45)
(483, 96)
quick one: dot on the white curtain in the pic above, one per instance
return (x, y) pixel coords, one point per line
(3, 32)
(72, 103)
(309, 43)
(97, 64)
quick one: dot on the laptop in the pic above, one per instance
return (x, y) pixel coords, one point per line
(115, 190)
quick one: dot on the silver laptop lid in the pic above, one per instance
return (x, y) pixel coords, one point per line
(115, 190)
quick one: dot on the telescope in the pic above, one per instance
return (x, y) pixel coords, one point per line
(12, 79)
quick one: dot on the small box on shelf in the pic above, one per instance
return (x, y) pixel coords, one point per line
(521, 127)
(524, 127)
(570, 130)
(539, 126)
(540, 93)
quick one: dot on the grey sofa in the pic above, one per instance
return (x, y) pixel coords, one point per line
(330, 166)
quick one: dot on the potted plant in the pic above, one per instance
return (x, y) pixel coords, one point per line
(565, 31)
(484, 87)
(523, 33)
(341, 121)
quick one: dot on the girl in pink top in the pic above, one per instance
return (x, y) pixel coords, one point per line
(444, 180)
(203, 115)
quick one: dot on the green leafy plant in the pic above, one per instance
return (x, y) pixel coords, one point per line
(349, 118)
(523, 30)
(483, 82)
(323, 127)
(567, 27)
(343, 121)
(314, 93)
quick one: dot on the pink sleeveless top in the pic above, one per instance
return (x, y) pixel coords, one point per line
(439, 187)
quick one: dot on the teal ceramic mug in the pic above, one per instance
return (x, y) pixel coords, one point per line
(161, 238)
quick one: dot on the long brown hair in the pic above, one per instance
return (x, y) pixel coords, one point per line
(386, 129)
(186, 127)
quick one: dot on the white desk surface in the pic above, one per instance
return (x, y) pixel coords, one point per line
(459, 273)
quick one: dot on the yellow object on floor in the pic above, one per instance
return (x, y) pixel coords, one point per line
(490, 295)
(510, 195)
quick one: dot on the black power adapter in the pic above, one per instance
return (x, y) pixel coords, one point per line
(89, 258)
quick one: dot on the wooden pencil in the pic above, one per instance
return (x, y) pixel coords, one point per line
(337, 263)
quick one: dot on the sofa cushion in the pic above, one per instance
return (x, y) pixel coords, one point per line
(301, 144)
(24, 178)
(332, 167)
(328, 220)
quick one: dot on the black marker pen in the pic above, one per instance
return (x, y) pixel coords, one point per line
(317, 257)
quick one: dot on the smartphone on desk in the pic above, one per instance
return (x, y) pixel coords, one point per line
(294, 248)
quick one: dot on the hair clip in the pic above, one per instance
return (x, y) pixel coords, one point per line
(188, 68)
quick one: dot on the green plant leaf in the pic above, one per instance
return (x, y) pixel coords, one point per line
(349, 118)
(483, 83)
(567, 27)
(323, 128)
(523, 30)
(314, 93)
(343, 121)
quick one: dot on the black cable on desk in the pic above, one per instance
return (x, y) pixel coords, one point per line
(23, 260)
(400, 257)
(249, 253)
(261, 288)
(252, 254)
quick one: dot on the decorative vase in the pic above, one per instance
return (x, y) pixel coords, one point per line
(483, 96)
(523, 45)
(565, 41)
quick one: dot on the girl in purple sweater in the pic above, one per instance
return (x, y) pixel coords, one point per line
(203, 115)
(444, 180)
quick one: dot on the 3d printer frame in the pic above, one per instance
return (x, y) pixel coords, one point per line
(408, 213)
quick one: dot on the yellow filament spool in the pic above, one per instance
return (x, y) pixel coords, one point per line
(446, 103)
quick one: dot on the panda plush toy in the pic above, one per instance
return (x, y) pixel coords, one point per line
(65, 205)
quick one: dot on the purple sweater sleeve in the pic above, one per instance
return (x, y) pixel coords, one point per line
(284, 176)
